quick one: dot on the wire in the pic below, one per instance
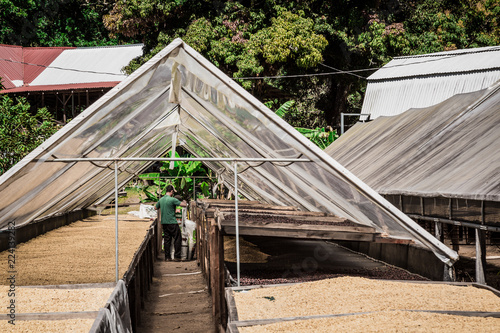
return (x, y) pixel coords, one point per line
(436, 57)
(303, 75)
(339, 70)
(60, 68)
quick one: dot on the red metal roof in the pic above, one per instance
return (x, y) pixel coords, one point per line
(24, 64)
(56, 87)
(10, 66)
(37, 58)
(25, 69)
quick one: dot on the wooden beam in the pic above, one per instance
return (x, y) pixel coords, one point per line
(159, 232)
(300, 227)
(300, 232)
(380, 239)
(232, 312)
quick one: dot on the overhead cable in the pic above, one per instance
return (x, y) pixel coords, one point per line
(59, 68)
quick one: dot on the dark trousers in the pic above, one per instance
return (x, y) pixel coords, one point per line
(172, 231)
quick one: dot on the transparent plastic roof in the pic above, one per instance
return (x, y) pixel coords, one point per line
(179, 92)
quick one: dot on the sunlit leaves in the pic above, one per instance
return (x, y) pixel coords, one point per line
(290, 37)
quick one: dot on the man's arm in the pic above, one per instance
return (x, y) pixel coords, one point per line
(183, 203)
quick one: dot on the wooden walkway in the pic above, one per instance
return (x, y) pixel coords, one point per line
(178, 300)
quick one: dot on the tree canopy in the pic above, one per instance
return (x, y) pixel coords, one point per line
(282, 38)
(283, 46)
(55, 23)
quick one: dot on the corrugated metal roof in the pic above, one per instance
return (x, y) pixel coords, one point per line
(457, 61)
(425, 80)
(37, 58)
(60, 68)
(10, 67)
(86, 65)
(447, 150)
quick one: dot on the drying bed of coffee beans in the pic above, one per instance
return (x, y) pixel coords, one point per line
(265, 277)
(267, 219)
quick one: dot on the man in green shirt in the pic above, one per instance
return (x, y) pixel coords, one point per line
(171, 229)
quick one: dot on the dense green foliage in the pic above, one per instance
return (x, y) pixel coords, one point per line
(20, 131)
(276, 38)
(268, 38)
(54, 23)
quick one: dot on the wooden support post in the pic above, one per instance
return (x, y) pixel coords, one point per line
(57, 102)
(206, 253)
(222, 279)
(72, 104)
(158, 235)
(438, 227)
(132, 303)
(215, 270)
(454, 229)
(454, 238)
(64, 108)
(137, 290)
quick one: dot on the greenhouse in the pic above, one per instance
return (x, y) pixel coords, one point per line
(179, 98)
(437, 164)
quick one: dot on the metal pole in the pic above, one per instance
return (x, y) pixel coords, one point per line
(342, 114)
(479, 259)
(236, 223)
(341, 123)
(156, 159)
(116, 218)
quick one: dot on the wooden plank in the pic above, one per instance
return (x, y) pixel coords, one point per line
(53, 315)
(257, 207)
(255, 322)
(232, 328)
(483, 286)
(132, 303)
(254, 211)
(137, 290)
(293, 226)
(483, 314)
(293, 217)
(75, 286)
(302, 234)
(380, 239)
(232, 312)
(214, 272)
(221, 280)
(159, 237)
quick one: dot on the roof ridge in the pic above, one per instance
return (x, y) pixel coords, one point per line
(453, 52)
(108, 46)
